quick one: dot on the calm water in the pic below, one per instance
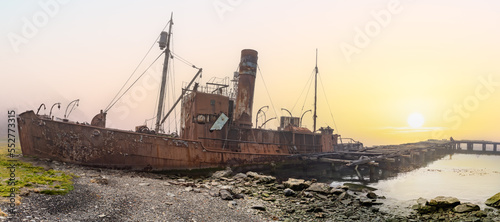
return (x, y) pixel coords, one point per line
(470, 178)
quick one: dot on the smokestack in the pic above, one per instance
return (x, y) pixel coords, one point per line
(246, 85)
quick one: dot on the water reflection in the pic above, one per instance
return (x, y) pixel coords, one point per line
(324, 172)
(470, 178)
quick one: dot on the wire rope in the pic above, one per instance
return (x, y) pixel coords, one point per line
(331, 113)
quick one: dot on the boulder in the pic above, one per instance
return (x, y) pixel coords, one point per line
(295, 184)
(319, 188)
(426, 209)
(365, 201)
(371, 195)
(422, 207)
(444, 202)
(342, 196)
(357, 187)
(266, 179)
(239, 176)
(288, 192)
(261, 178)
(346, 202)
(222, 173)
(466, 207)
(307, 194)
(337, 191)
(225, 195)
(239, 196)
(480, 214)
(494, 201)
(252, 174)
(422, 201)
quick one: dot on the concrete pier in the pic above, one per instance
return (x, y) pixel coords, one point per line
(487, 147)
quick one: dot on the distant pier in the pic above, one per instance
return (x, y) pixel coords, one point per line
(376, 161)
(482, 147)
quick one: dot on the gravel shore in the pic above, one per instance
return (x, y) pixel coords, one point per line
(114, 195)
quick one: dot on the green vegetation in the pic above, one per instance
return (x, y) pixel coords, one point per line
(31, 177)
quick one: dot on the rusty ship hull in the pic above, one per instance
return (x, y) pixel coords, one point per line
(104, 147)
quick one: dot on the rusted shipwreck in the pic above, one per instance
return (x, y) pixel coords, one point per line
(216, 131)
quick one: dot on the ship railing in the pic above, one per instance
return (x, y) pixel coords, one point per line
(228, 144)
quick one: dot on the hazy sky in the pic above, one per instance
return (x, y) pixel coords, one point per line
(379, 61)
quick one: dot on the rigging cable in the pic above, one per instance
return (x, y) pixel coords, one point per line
(302, 92)
(267, 91)
(142, 60)
(185, 61)
(309, 82)
(154, 110)
(111, 105)
(173, 88)
(331, 114)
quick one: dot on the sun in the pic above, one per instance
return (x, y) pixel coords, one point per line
(415, 120)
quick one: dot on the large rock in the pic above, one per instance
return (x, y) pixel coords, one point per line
(289, 192)
(296, 184)
(240, 176)
(371, 195)
(225, 195)
(261, 178)
(266, 179)
(319, 188)
(422, 201)
(426, 209)
(444, 202)
(466, 207)
(365, 201)
(422, 207)
(253, 174)
(494, 201)
(337, 191)
(358, 187)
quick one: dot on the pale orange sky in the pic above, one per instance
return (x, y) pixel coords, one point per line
(379, 61)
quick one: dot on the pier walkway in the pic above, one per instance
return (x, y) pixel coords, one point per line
(404, 154)
(475, 147)
(375, 162)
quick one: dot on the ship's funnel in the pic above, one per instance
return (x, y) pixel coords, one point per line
(246, 85)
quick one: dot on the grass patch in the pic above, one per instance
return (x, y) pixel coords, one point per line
(47, 181)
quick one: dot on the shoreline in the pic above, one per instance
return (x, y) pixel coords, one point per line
(117, 195)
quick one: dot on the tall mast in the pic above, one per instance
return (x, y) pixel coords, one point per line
(315, 90)
(164, 77)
